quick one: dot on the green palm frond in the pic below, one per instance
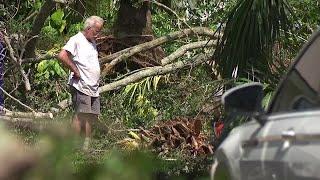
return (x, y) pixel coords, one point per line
(140, 88)
(252, 27)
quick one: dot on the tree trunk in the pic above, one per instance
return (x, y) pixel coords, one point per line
(38, 23)
(133, 21)
(79, 7)
(85, 7)
(133, 26)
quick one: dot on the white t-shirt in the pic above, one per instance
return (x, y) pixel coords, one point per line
(85, 57)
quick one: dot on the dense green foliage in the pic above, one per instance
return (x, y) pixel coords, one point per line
(188, 92)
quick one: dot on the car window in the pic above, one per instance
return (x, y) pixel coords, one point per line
(300, 89)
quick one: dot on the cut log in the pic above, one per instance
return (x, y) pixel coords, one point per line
(15, 114)
(182, 129)
(197, 127)
(13, 119)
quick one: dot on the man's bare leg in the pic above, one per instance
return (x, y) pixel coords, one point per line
(90, 119)
(76, 124)
(86, 120)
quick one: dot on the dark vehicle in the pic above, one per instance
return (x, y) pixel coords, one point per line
(283, 142)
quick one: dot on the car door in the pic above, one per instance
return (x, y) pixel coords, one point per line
(287, 146)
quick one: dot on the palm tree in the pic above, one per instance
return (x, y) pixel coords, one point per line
(251, 29)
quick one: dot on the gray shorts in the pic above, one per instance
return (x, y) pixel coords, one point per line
(83, 103)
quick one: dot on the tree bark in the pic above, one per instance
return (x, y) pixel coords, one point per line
(133, 20)
(134, 26)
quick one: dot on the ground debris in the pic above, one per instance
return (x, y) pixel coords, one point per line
(177, 134)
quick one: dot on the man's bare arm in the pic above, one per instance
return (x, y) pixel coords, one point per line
(64, 57)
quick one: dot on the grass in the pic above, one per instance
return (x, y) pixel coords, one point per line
(106, 158)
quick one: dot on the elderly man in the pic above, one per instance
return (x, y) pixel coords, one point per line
(81, 57)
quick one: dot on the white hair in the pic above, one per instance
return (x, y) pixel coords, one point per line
(93, 21)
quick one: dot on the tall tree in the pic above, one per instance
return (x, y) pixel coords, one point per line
(133, 20)
(134, 26)
(38, 23)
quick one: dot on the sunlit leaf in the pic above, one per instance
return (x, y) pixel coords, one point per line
(42, 66)
(63, 25)
(57, 16)
(156, 80)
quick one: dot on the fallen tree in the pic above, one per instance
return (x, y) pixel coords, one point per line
(156, 70)
(201, 31)
(171, 63)
(111, 60)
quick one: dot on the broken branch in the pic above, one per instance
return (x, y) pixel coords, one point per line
(6, 93)
(18, 63)
(151, 44)
(183, 49)
(156, 70)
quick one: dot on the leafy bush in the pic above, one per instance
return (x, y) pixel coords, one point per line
(48, 37)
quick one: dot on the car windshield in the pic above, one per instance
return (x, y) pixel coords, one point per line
(300, 89)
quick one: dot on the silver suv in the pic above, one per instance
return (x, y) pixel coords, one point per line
(282, 143)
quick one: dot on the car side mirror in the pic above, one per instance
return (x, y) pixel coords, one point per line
(245, 100)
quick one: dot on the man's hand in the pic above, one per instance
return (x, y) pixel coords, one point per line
(76, 74)
(64, 57)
